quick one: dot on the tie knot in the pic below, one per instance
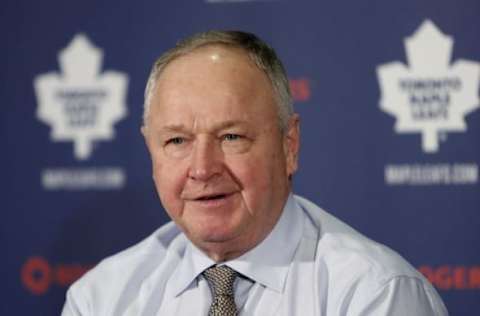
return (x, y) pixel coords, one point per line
(220, 279)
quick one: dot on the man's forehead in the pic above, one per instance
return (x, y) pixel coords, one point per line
(214, 83)
(210, 55)
(214, 119)
(208, 111)
(216, 50)
(227, 70)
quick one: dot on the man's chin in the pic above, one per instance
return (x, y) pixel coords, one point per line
(216, 236)
(213, 229)
(219, 247)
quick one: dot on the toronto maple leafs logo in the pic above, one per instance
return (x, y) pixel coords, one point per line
(80, 103)
(430, 96)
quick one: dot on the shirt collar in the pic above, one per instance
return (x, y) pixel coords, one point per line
(268, 263)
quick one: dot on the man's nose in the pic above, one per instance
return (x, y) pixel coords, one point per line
(206, 160)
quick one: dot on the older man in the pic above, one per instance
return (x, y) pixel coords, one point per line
(224, 141)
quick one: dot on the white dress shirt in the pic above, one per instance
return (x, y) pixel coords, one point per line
(310, 264)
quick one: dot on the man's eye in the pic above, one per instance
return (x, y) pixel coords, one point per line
(231, 137)
(175, 141)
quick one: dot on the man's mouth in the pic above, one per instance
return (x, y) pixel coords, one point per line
(212, 197)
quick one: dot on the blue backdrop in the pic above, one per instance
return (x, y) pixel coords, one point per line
(387, 92)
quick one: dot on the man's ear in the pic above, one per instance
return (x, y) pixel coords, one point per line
(291, 144)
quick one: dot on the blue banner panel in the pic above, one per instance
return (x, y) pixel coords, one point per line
(387, 92)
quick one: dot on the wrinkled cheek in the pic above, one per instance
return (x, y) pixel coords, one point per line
(169, 190)
(256, 188)
(171, 202)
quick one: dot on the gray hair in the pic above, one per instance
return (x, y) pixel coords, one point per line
(258, 51)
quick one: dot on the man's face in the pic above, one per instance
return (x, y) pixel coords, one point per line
(220, 162)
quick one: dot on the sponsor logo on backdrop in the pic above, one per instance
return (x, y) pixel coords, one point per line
(431, 173)
(81, 104)
(430, 97)
(449, 277)
(300, 89)
(38, 275)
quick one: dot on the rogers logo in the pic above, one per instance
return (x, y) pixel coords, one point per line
(38, 275)
(447, 277)
(300, 89)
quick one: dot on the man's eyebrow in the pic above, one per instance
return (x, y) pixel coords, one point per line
(174, 128)
(181, 128)
(230, 123)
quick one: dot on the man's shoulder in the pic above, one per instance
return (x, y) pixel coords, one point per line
(342, 247)
(141, 258)
(362, 274)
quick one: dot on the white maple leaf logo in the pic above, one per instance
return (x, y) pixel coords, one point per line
(80, 103)
(430, 96)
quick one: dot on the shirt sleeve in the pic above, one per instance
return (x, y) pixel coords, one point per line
(72, 306)
(404, 296)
